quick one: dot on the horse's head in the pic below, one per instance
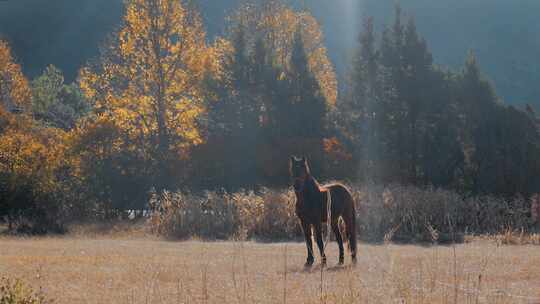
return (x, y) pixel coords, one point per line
(299, 171)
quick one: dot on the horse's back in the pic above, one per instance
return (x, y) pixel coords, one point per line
(341, 197)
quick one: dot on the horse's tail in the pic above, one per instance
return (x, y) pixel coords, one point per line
(351, 228)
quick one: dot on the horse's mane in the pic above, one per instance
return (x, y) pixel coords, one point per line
(314, 184)
(324, 187)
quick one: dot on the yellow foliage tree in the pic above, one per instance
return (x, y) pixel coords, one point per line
(15, 92)
(277, 24)
(150, 79)
(31, 158)
(30, 155)
(34, 155)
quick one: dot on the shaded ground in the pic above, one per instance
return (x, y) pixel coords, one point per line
(101, 270)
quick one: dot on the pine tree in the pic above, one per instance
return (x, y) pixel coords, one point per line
(392, 109)
(56, 103)
(234, 127)
(306, 103)
(364, 100)
(415, 89)
(503, 142)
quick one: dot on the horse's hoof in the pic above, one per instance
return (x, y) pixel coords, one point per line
(308, 265)
(354, 260)
(341, 261)
(323, 262)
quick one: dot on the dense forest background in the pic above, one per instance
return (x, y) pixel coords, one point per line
(106, 105)
(504, 36)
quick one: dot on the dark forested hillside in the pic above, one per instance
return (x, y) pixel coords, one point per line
(504, 34)
(61, 32)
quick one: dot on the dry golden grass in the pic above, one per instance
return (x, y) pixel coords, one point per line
(115, 270)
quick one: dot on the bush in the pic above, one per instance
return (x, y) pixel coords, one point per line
(182, 215)
(31, 164)
(394, 212)
(16, 292)
(268, 214)
(27, 209)
(407, 213)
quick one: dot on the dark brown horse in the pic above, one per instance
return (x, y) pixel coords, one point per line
(312, 201)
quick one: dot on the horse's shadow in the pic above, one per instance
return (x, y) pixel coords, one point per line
(317, 269)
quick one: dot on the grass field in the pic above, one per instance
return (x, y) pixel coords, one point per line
(147, 270)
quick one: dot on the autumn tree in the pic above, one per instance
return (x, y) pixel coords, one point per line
(149, 81)
(15, 92)
(30, 192)
(107, 174)
(278, 25)
(30, 156)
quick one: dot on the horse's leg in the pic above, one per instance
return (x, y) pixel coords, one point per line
(320, 243)
(350, 223)
(335, 228)
(309, 243)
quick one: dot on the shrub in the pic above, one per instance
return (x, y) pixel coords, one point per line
(16, 292)
(182, 215)
(407, 213)
(394, 212)
(31, 164)
(268, 214)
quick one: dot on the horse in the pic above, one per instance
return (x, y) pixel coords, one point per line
(313, 205)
